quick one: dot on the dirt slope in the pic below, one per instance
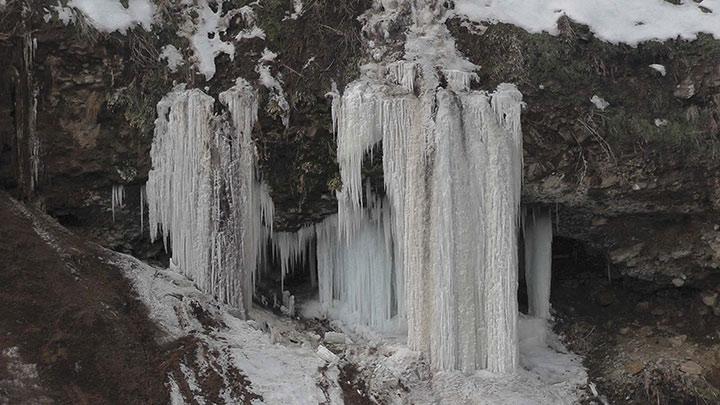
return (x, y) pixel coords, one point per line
(73, 317)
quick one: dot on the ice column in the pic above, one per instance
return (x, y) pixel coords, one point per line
(453, 163)
(537, 230)
(202, 193)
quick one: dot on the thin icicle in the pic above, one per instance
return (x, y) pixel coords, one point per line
(142, 209)
(117, 199)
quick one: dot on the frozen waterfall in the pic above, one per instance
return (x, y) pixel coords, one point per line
(203, 194)
(452, 162)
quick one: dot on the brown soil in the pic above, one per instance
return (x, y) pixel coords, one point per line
(353, 387)
(75, 318)
(635, 336)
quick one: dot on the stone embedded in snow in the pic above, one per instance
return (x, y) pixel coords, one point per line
(327, 355)
(677, 341)
(599, 102)
(658, 68)
(709, 298)
(634, 367)
(335, 338)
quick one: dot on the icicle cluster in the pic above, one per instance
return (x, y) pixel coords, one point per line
(293, 250)
(452, 162)
(251, 199)
(202, 193)
(117, 200)
(537, 233)
(357, 279)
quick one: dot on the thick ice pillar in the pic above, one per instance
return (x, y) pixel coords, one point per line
(452, 164)
(203, 194)
(537, 232)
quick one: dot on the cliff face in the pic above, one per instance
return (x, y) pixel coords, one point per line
(638, 179)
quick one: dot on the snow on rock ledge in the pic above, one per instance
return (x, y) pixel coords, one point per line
(111, 15)
(615, 21)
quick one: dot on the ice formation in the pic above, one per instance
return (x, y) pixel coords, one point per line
(252, 198)
(537, 234)
(452, 161)
(293, 250)
(357, 280)
(203, 194)
(28, 142)
(143, 201)
(117, 199)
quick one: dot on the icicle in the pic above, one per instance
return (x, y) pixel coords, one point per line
(117, 199)
(180, 184)
(267, 207)
(358, 131)
(142, 209)
(334, 93)
(537, 230)
(403, 74)
(356, 274)
(458, 80)
(34, 142)
(292, 249)
(253, 204)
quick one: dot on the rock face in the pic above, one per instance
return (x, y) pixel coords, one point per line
(638, 180)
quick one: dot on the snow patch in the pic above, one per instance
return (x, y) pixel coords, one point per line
(278, 103)
(204, 34)
(659, 68)
(615, 21)
(599, 102)
(111, 15)
(172, 57)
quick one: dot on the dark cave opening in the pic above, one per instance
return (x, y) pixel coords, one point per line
(300, 279)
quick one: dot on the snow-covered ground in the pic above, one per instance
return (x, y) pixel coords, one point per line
(281, 372)
(282, 362)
